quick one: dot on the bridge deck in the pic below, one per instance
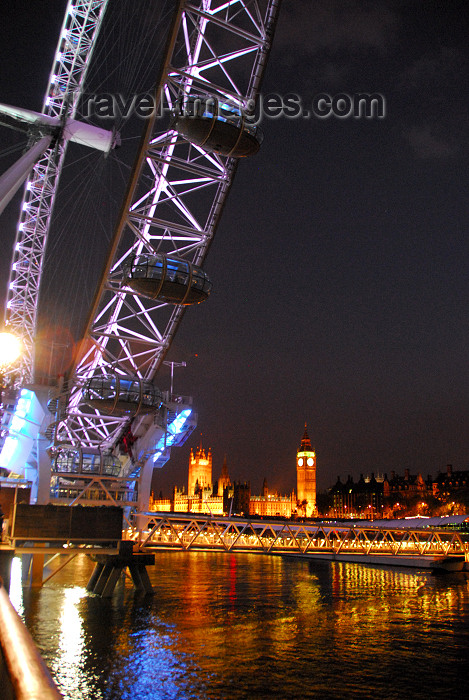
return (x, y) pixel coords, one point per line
(418, 547)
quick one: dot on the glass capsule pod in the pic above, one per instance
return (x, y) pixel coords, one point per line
(216, 126)
(74, 460)
(168, 279)
(115, 395)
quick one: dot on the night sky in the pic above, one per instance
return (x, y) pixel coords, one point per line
(340, 266)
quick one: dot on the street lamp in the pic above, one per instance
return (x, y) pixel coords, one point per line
(173, 365)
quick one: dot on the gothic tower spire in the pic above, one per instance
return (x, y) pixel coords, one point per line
(306, 476)
(200, 469)
(305, 441)
(224, 481)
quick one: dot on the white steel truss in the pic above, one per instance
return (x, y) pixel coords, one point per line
(174, 202)
(190, 531)
(81, 25)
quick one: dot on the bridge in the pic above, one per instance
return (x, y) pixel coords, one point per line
(418, 547)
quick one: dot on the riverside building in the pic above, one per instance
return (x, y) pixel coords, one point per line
(224, 497)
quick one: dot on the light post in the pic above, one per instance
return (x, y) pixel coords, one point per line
(173, 365)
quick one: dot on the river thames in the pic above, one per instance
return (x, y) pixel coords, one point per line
(248, 626)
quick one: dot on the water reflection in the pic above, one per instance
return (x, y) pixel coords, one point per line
(239, 626)
(67, 668)
(16, 586)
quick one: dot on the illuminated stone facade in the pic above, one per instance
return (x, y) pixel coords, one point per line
(222, 497)
(200, 471)
(273, 505)
(306, 477)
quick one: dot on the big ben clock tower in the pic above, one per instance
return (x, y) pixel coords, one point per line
(306, 475)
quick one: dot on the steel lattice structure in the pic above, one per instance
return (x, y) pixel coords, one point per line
(217, 48)
(80, 29)
(104, 451)
(321, 540)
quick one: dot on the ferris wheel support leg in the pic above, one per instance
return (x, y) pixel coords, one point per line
(144, 490)
(44, 473)
(11, 181)
(40, 493)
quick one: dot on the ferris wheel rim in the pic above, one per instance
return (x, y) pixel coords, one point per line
(61, 99)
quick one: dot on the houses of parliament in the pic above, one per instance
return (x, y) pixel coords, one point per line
(224, 497)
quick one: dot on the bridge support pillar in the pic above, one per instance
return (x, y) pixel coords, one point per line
(95, 576)
(37, 570)
(109, 568)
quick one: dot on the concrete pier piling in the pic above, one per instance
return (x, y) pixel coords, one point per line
(109, 568)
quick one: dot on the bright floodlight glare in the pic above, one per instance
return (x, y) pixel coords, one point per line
(10, 349)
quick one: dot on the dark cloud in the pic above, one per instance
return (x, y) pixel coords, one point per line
(429, 142)
(432, 86)
(323, 45)
(336, 25)
(434, 70)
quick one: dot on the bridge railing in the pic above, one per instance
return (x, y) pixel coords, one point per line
(26, 675)
(186, 531)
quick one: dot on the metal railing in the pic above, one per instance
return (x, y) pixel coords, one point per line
(27, 676)
(276, 537)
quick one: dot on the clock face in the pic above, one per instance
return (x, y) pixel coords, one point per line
(300, 462)
(310, 461)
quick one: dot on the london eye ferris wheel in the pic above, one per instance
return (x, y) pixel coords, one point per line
(97, 435)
